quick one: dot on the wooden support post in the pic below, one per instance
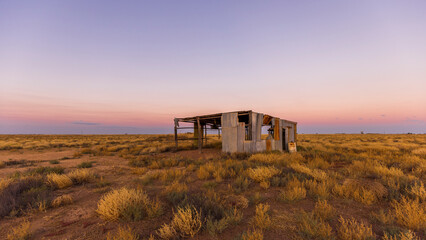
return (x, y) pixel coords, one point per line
(199, 134)
(295, 132)
(205, 133)
(176, 135)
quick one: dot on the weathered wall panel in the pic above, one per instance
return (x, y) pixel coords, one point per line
(229, 132)
(241, 135)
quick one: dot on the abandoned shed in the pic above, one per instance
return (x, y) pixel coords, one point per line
(242, 131)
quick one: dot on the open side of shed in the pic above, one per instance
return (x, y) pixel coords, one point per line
(242, 131)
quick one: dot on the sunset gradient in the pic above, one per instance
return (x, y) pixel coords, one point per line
(99, 67)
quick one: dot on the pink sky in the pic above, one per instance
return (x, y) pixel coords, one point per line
(68, 67)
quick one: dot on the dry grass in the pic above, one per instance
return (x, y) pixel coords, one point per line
(62, 200)
(128, 204)
(323, 210)
(123, 233)
(80, 176)
(263, 175)
(21, 232)
(311, 227)
(408, 235)
(350, 229)
(187, 221)
(292, 194)
(410, 213)
(59, 180)
(262, 220)
(254, 234)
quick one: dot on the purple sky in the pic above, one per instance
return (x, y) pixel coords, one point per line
(131, 66)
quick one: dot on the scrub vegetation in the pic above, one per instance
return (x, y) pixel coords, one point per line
(342, 186)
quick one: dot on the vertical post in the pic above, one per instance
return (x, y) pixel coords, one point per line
(176, 136)
(199, 134)
(295, 132)
(205, 133)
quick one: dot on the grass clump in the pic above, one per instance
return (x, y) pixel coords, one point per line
(186, 223)
(59, 180)
(350, 229)
(254, 234)
(292, 194)
(62, 200)
(408, 235)
(54, 162)
(409, 213)
(46, 170)
(123, 233)
(323, 210)
(176, 192)
(85, 165)
(263, 175)
(262, 219)
(127, 204)
(311, 227)
(2, 164)
(80, 176)
(20, 232)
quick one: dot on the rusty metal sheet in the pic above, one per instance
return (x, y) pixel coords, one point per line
(277, 129)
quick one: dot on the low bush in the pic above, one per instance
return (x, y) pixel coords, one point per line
(254, 234)
(21, 232)
(127, 204)
(407, 235)
(62, 200)
(85, 165)
(187, 221)
(176, 192)
(292, 194)
(59, 180)
(80, 176)
(46, 170)
(310, 227)
(350, 229)
(323, 210)
(262, 219)
(123, 233)
(410, 213)
(22, 193)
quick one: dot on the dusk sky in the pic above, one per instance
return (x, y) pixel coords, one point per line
(132, 66)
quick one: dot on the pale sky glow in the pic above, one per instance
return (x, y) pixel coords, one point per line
(131, 66)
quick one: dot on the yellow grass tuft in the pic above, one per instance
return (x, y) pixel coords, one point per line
(263, 175)
(82, 175)
(350, 229)
(62, 200)
(418, 191)
(262, 219)
(59, 180)
(292, 194)
(410, 213)
(255, 234)
(408, 235)
(187, 221)
(167, 231)
(4, 182)
(127, 204)
(314, 228)
(323, 210)
(123, 233)
(21, 232)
